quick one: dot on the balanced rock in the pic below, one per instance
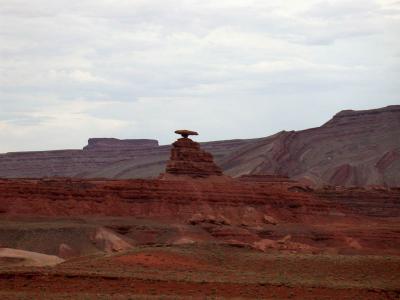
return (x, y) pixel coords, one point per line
(185, 133)
(188, 159)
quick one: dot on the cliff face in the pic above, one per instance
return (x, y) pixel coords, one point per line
(260, 214)
(174, 199)
(232, 199)
(354, 148)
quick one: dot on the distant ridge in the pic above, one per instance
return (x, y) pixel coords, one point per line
(353, 148)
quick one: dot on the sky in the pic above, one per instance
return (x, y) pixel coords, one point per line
(71, 70)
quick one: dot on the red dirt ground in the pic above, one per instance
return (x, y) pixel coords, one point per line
(152, 217)
(161, 261)
(37, 285)
(207, 272)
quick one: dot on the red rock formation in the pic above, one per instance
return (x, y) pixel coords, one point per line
(231, 199)
(372, 201)
(259, 211)
(367, 141)
(231, 211)
(177, 198)
(188, 159)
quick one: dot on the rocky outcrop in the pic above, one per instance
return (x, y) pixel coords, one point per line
(235, 212)
(17, 257)
(355, 148)
(233, 200)
(187, 159)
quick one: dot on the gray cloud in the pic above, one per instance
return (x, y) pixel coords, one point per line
(70, 70)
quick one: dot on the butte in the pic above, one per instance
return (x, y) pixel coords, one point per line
(189, 161)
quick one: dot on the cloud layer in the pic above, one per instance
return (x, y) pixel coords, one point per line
(71, 70)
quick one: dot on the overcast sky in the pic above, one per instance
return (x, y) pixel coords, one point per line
(71, 70)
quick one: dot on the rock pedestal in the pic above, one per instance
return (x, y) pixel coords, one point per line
(188, 159)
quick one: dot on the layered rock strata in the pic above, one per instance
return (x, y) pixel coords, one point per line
(176, 198)
(355, 148)
(132, 160)
(187, 159)
(237, 201)
(270, 214)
